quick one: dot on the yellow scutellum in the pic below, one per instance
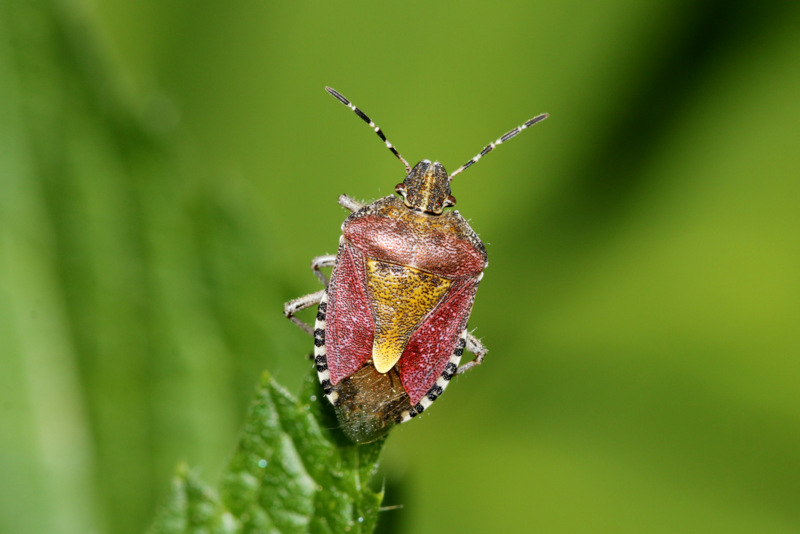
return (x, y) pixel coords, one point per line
(401, 297)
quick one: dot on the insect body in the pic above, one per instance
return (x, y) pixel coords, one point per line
(392, 322)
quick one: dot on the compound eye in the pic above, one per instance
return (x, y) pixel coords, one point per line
(401, 189)
(449, 201)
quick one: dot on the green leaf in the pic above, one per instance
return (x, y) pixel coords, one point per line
(293, 471)
(193, 506)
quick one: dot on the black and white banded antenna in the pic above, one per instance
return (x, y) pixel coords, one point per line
(340, 97)
(502, 139)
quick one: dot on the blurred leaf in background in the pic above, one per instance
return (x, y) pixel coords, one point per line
(168, 169)
(116, 325)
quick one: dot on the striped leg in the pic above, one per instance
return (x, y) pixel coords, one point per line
(488, 148)
(372, 125)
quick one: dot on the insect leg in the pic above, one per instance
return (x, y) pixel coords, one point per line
(349, 203)
(320, 262)
(475, 346)
(301, 303)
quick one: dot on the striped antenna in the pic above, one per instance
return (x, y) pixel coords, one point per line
(501, 140)
(372, 125)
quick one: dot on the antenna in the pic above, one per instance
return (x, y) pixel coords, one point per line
(372, 125)
(491, 146)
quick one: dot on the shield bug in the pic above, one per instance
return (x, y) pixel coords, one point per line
(391, 325)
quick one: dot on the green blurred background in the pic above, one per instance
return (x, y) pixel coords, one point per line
(168, 170)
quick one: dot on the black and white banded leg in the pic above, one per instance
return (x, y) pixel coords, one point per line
(340, 97)
(502, 139)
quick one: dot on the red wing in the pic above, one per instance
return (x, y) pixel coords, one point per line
(349, 325)
(431, 345)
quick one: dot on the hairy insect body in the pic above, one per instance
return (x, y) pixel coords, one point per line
(392, 322)
(399, 300)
